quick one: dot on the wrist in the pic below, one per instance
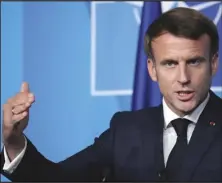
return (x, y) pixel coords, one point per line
(15, 142)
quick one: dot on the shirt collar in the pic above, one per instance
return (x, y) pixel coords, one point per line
(169, 115)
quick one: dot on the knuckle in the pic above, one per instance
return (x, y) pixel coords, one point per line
(23, 107)
(20, 108)
(15, 111)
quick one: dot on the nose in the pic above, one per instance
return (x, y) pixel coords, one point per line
(183, 76)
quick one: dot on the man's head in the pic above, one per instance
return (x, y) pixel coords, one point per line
(182, 48)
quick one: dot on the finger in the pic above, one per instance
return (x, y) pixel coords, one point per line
(24, 87)
(20, 108)
(18, 117)
(31, 98)
(21, 98)
(7, 114)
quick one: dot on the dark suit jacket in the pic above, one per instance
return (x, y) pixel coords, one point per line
(132, 150)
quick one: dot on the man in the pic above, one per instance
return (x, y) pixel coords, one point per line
(180, 140)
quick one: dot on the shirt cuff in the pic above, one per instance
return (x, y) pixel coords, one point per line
(9, 166)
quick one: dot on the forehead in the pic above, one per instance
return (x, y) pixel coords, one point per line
(170, 46)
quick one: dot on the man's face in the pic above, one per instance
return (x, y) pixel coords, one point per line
(183, 69)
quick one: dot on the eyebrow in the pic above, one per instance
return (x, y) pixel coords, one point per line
(167, 60)
(200, 58)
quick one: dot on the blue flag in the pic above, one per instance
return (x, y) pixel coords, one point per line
(146, 93)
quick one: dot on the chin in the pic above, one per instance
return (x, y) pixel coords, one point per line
(187, 107)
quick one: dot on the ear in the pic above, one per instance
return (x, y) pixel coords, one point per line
(214, 64)
(152, 69)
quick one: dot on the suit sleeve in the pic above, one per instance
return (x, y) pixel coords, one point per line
(10, 166)
(86, 165)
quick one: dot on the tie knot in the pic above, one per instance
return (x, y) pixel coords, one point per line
(180, 125)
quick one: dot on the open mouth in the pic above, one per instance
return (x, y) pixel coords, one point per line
(185, 95)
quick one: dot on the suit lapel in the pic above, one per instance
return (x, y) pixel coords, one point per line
(152, 148)
(203, 135)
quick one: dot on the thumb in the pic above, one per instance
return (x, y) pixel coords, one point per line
(24, 87)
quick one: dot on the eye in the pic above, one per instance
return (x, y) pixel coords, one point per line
(170, 64)
(194, 62)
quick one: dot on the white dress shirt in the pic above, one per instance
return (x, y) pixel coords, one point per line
(169, 135)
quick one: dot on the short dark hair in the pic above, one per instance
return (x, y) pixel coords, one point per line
(182, 22)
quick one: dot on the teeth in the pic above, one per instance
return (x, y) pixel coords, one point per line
(183, 93)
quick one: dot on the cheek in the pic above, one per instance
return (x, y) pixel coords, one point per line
(201, 83)
(200, 78)
(166, 81)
